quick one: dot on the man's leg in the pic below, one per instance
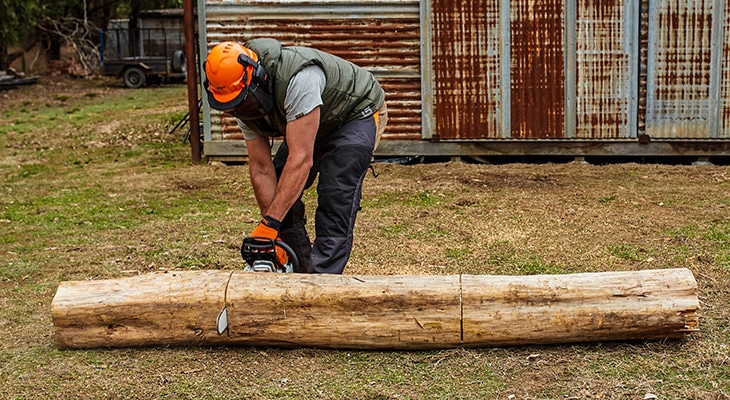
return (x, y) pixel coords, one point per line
(345, 158)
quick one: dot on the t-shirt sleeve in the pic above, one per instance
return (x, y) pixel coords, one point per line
(248, 133)
(304, 92)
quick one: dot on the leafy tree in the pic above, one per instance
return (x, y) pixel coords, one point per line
(17, 21)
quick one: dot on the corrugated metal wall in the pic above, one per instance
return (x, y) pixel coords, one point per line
(495, 70)
(606, 69)
(382, 36)
(678, 97)
(537, 68)
(466, 69)
(724, 103)
(569, 69)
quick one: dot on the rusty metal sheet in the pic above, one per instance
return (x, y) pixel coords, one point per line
(382, 36)
(515, 69)
(537, 69)
(679, 69)
(607, 69)
(466, 68)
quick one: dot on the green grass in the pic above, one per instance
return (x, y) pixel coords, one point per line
(424, 200)
(458, 254)
(718, 233)
(625, 252)
(93, 187)
(86, 110)
(14, 270)
(607, 199)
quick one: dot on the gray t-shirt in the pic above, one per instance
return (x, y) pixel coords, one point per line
(303, 95)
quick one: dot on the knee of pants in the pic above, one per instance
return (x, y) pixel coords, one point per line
(340, 184)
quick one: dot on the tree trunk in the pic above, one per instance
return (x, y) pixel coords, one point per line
(4, 62)
(374, 312)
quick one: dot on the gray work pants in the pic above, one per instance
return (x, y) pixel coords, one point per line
(341, 159)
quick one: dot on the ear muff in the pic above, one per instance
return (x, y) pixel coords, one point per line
(259, 85)
(258, 76)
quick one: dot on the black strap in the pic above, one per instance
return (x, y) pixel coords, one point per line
(372, 169)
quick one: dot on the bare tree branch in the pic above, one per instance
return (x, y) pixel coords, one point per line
(75, 33)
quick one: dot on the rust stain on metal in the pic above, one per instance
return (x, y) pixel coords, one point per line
(466, 68)
(725, 77)
(682, 62)
(537, 60)
(643, 57)
(603, 70)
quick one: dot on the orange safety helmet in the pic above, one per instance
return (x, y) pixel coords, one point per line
(231, 68)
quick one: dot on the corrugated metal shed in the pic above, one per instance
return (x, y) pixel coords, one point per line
(567, 71)
(381, 36)
(467, 72)
(724, 102)
(606, 69)
(496, 77)
(537, 99)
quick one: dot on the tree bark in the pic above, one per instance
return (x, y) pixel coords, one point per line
(374, 312)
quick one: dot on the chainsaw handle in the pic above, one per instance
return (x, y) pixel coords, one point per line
(293, 259)
(256, 248)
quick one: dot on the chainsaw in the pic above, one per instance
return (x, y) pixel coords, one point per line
(259, 253)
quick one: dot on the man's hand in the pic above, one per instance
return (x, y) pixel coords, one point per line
(269, 228)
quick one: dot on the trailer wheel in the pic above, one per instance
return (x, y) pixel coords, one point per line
(178, 61)
(134, 78)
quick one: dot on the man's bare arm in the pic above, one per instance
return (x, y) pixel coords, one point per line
(300, 136)
(261, 171)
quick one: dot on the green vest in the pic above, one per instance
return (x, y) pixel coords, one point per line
(350, 92)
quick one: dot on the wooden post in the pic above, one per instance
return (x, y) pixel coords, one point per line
(374, 312)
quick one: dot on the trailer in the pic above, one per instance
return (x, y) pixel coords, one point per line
(151, 51)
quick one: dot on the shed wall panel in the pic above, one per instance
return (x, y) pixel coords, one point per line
(725, 91)
(606, 60)
(466, 68)
(537, 69)
(381, 36)
(515, 69)
(679, 69)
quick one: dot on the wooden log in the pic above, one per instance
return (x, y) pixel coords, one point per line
(158, 309)
(374, 312)
(587, 307)
(405, 311)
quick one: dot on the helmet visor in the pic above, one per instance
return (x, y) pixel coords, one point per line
(226, 102)
(249, 109)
